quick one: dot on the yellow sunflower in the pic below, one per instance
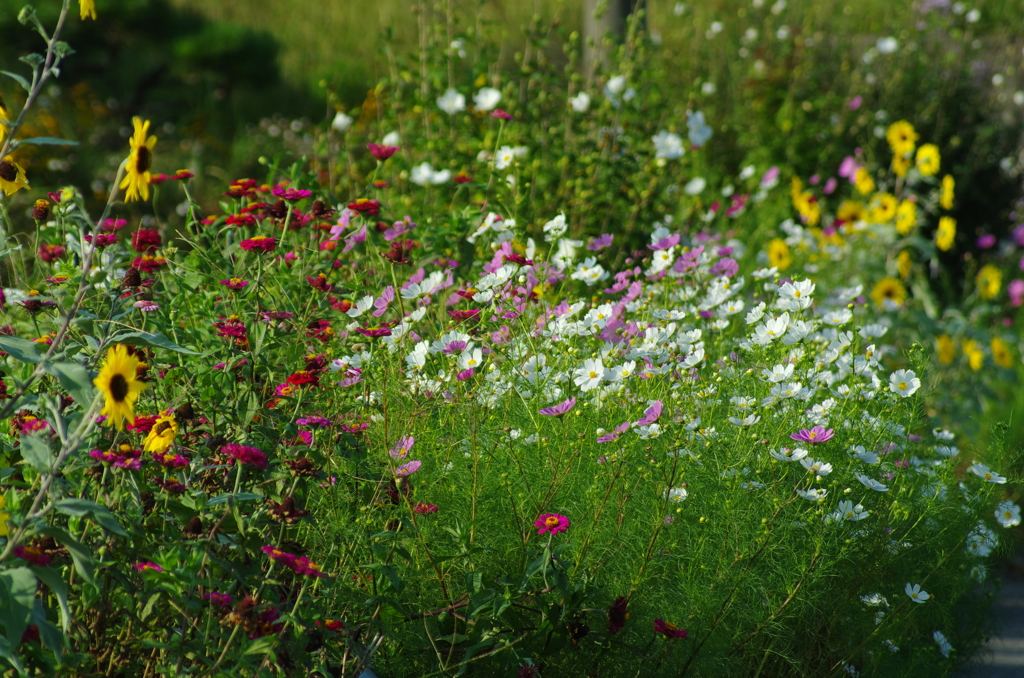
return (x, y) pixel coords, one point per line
(989, 281)
(1001, 353)
(906, 217)
(901, 137)
(778, 254)
(889, 292)
(12, 175)
(946, 198)
(883, 207)
(120, 386)
(928, 160)
(900, 165)
(163, 433)
(946, 348)
(851, 211)
(136, 181)
(87, 9)
(945, 233)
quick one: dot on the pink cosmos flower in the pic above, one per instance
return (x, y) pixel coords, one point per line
(401, 449)
(551, 523)
(559, 409)
(816, 435)
(650, 415)
(407, 469)
(600, 242)
(619, 430)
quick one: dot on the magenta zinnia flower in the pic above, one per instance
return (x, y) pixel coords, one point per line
(291, 193)
(818, 434)
(245, 454)
(552, 523)
(235, 283)
(260, 243)
(559, 409)
(143, 566)
(668, 629)
(382, 152)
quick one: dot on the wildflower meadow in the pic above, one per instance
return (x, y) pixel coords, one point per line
(520, 367)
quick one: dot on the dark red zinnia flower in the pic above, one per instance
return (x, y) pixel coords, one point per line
(50, 253)
(146, 240)
(366, 206)
(617, 615)
(400, 251)
(382, 152)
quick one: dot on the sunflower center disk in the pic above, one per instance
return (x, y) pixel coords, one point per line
(143, 159)
(8, 172)
(118, 387)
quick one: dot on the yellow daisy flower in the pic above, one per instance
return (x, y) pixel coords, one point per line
(87, 9)
(807, 205)
(904, 263)
(1001, 353)
(901, 137)
(851, 211)
(4, 118)
(945, 233)
(946, 198)
(974, 355)
(900, 165)
(883, 208)
(989, 281)
(889, 290)
(136, 181)
(120, 386)
(906, 217)
(778, 254)
(163, 433)
(863, 182)
(12, 176)
(928, 160)
(946, 348)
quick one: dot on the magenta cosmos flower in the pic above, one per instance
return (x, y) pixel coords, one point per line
(551, 523)
(559, 409)
(818, 434)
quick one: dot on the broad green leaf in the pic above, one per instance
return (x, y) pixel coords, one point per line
(101, 514)
(53, 580)
(81, 556)
(156, 340)
(75, 379)
(8, 653)
(148, 609)
(35, 450)
(50, 635)
(21, 349)
(261, 645)
(17, 598)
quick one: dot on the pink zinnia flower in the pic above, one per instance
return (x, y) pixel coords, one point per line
(245, 455)
(235, 283)
(423, 508)
(551, 523)
(221, 600)
(501, 115)
(818, 434)
(291, 193)
(382, 152)
(260, 243)
(143, 566)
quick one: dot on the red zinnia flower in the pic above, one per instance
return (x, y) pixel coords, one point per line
(259, 242)
(617, 615)
(240, 220)
(366, 206)
(146, 240)
(50, 253)
(148, 264)
(245, 455)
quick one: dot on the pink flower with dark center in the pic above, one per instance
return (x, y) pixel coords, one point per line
(244, 454)
(551, 523)
(817, 434)
(559, 409)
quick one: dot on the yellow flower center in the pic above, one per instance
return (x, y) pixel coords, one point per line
(551, 521)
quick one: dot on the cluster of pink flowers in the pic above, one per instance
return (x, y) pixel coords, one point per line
(297, 564)
(244, 454)
(124, 457)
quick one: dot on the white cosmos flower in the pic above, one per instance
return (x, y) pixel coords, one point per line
(695, 185)
(588, 377)
(677, 494)
(649, 431)
(341, 121)
(470, 358)
(391, 139)
(904, 383)
(451, 102)
(944, 646)
(847, 511)
(620, 372)
(817, 467)
(871, 483)
(486, 99)
(360, 307)
(556, 228)
(667, 146)
(1008, 514)
(580, 103)
(916, 594)
(817, 494)
(749, 420)
(789, 454)
(778, 373)
(986, 474)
